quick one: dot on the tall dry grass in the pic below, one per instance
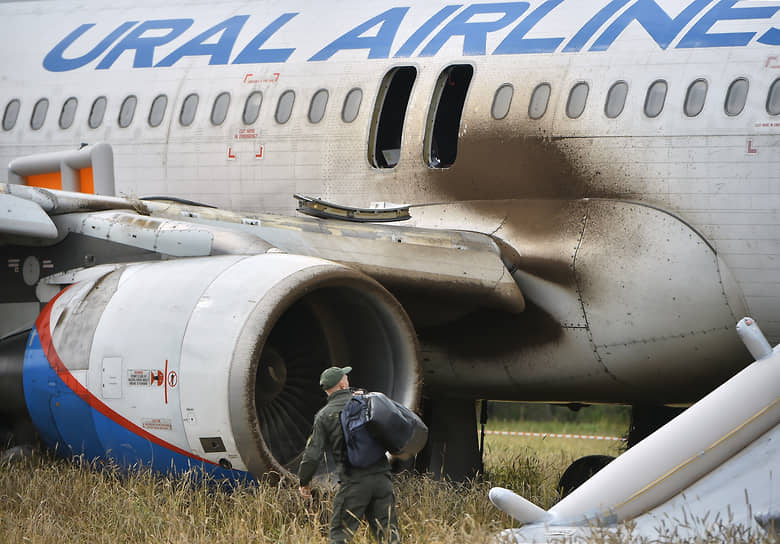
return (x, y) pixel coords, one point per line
(48, 500)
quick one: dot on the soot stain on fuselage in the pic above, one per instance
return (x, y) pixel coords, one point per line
(494, 334)
(554, 268)
(507, 164)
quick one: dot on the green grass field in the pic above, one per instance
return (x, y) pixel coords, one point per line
(46, 500)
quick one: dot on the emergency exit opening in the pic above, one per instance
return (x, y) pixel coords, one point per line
(387, 124)
(443, 124)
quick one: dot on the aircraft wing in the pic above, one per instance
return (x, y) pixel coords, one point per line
(462, 264)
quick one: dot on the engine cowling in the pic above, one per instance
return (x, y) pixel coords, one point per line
(212, 361)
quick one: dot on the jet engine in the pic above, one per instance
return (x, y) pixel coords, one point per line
(212, 362)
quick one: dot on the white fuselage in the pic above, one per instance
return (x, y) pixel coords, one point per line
(716, 169)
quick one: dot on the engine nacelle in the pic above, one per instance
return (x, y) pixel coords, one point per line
(212, 361)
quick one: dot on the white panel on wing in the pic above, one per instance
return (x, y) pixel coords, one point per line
(175, 239)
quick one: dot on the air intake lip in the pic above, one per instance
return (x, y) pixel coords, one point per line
(317, 317)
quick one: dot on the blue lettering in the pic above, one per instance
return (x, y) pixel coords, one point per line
(144, 47)
(475, 34)
(584, 34)
(378, 46)
(252, 54)
(219, 52)
(772, 37)
(723, 11)
(407, 49)
(662, 28)
(473, 23)
(55, 62)
(516, 42)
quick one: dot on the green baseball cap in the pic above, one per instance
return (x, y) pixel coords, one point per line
(331, 376)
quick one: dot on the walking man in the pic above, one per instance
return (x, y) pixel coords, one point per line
(362, 492)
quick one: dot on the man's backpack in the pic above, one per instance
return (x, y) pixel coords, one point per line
(395, 426)
(373, 424)
(363, 450)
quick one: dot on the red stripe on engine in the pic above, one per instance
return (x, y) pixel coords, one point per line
(44, 333)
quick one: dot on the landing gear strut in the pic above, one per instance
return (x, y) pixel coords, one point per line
(452, 451)
(646, 419)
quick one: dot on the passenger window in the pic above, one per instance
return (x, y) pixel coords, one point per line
(252, 107)
(351, 105)
(318, 104)
(284, 107)
(578, 97)
(188, 109)
(220, 109)
(773, 100)
(539, 100)
(695, 98)
(11, 114)
(444, 114)
(97, 112)
(127, 111)
(68, 113)
(616, 99)
(157, 111)
(655, 99)
(502, 101)
(39, 113)
(387, 124)
(736, 97)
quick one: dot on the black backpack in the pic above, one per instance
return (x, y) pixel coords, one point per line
(363, 449)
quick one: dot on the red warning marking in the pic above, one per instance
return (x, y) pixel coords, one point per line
(259, 154)
(157, 377)
(250, 78)
(772, 62)
(173, 378)
(246, 134)
(166, 381)
(552, 435)
(750, 149)
(231, 155)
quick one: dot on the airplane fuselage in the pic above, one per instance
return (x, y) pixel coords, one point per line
(669, 106)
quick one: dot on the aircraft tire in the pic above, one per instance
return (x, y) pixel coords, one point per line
(580, 471)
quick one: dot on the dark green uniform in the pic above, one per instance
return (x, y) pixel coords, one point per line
(363, 492)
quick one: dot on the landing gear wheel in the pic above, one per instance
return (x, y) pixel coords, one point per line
(580, 471)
